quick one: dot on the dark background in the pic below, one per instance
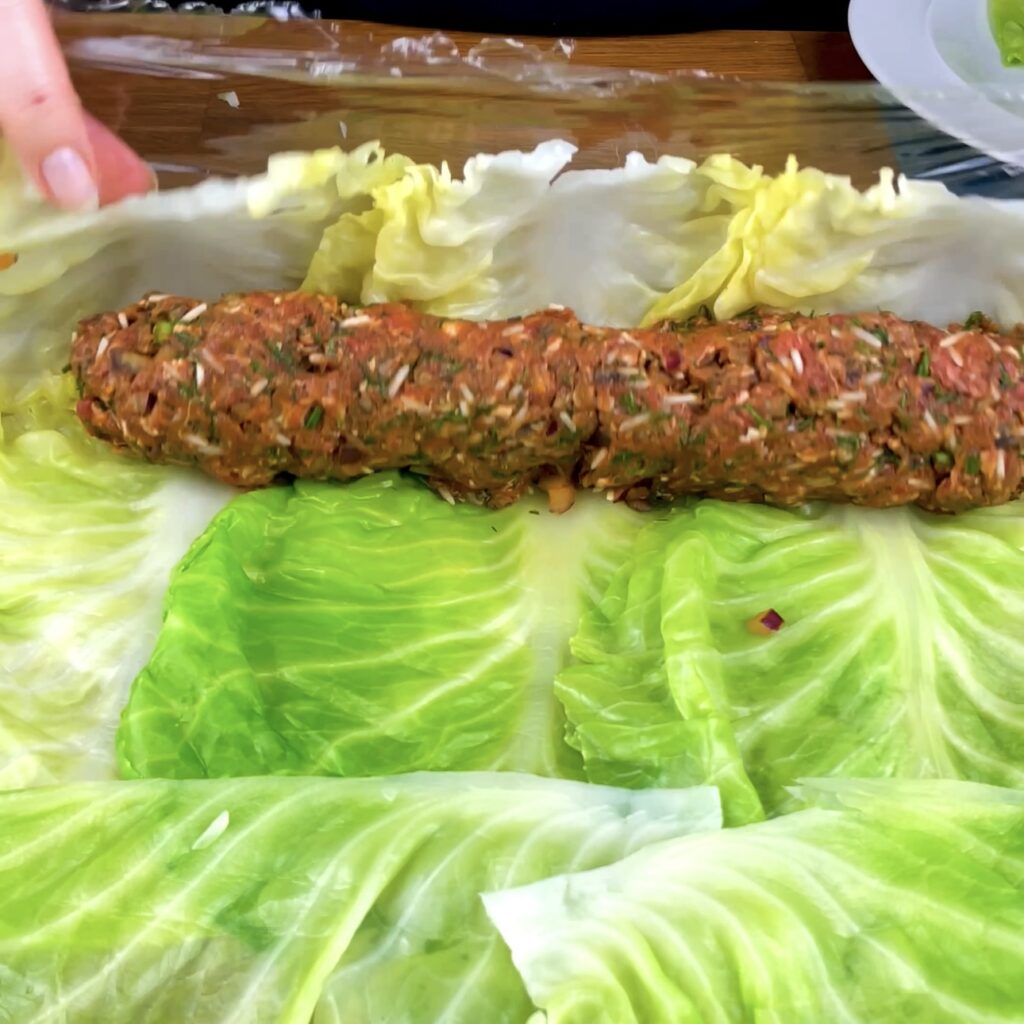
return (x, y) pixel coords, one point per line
(590, 17)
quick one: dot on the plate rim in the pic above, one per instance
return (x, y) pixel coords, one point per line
(884, 55)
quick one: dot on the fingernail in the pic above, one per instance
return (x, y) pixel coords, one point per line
(69, 181)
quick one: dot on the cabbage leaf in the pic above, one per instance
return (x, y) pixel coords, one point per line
(219, 236)
(518, 232)
(87, 543)
(431, 235)
(369, 629)
(885, 901)
(238, 900)
(633, 725)
(427, 953)
(902, 652)
(652, 241)
(805, 240)
(1006, 18)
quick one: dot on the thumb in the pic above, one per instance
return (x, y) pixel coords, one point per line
(119, 172)
(40, 114)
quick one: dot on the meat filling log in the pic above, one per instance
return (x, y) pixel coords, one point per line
(770, 407)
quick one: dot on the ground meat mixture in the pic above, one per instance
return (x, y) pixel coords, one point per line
(771, 406)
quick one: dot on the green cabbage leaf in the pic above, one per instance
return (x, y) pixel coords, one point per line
(901, 653)
(885, 901)
(370, 629)
(284, 900)
(630, 719)
(1006, 18)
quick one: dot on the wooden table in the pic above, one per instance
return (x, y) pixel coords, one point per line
(223, 116)
(756, 56)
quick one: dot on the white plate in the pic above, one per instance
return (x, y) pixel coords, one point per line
(938, 58)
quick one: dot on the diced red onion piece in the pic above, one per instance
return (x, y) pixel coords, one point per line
(766, 623)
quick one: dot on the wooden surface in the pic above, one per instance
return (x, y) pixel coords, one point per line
(297, 86)
(761, 56)
(758, 56)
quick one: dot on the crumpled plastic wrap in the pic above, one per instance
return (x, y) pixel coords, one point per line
(248, 8)
(201, 96)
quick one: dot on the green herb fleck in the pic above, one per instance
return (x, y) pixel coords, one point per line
(756, 416)
(880, 333)
(162, 331)
(629, 403)
(972, 464)
(887, 457)
(445, 361)
(942, 460)
(284, 356)
(975, 320)
(848, 441)
(924, 367)
(313, 417)
(1004, 378)
(703, 315)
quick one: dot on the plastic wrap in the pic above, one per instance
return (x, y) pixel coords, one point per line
(198, 96)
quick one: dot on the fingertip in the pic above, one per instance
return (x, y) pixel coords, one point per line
(68, 179)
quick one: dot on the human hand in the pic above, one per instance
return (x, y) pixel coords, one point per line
(74, 159)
